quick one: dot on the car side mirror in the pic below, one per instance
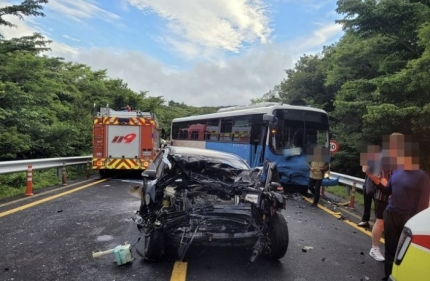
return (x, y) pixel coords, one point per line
(149, 174)
(276, 186)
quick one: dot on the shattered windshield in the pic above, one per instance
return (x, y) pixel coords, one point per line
(299, 128)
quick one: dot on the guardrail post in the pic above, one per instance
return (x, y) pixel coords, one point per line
(29, 189)
(64, 175)
(352, 199)
(347, 191)
(88, 169)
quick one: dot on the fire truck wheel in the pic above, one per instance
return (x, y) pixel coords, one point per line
(104, 173)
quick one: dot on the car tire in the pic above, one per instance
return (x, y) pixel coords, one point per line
(154, 245)
(279, 237)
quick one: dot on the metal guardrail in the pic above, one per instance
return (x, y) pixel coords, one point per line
(348, 180)
(8, 167)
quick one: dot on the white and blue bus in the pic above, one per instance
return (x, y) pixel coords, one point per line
(276, 132)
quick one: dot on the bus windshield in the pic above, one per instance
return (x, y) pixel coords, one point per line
(298, 128)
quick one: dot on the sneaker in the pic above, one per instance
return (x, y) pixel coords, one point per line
(363, 224)
(376, 254)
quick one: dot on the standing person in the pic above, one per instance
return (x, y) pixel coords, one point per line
(380, 201)
(367, 200)
(409, 188)
(368, 159)
(317, 168)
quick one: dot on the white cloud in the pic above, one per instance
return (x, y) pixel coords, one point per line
(80, 9)
(235, 81)
(24, 29)
(309, 4)
(324, 35)
(70, 38)
(212, 24)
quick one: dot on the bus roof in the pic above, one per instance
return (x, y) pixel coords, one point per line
(263, 108)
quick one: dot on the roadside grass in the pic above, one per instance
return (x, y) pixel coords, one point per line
(15, 184)
(341, 191)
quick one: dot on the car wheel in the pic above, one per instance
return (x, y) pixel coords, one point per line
(278, 235)
(154, 245)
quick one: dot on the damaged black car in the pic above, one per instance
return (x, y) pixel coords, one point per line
(206, 197)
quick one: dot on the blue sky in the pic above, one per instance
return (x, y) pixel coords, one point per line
(200, 52)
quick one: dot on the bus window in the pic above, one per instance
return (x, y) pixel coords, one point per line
(207, 135)
(241, 130)
(226, 130)
(315, 137)
(194, 135)
(212, 128)
(196, 131)
(183, 134)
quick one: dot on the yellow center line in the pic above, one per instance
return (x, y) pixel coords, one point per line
(41, 194)
(179, 272)
(23, 207)
(338, 215)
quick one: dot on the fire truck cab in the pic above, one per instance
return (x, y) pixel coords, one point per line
(124, 140)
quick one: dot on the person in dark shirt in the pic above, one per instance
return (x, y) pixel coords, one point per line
(409, 191)
(368, 161)
(367, 197)
(374, 160)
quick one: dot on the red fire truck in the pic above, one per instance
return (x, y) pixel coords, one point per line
(124, 140)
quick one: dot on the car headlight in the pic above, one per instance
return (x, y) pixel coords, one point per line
(402, 246)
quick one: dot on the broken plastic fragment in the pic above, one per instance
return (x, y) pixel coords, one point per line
(306, 248)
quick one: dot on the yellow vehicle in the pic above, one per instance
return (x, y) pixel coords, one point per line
(412, 258)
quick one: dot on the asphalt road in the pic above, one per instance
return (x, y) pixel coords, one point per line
(52, 237)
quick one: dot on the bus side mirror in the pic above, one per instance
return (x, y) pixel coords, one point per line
(268, 118)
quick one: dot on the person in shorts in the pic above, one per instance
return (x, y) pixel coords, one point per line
(409, 191)
(380, 201)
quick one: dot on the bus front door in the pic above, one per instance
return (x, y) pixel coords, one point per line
(259, 145)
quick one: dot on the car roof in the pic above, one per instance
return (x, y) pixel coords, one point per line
(202, 152)
(418, 224)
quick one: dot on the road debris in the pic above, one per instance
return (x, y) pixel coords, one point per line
(121, 253)
(306, 248)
